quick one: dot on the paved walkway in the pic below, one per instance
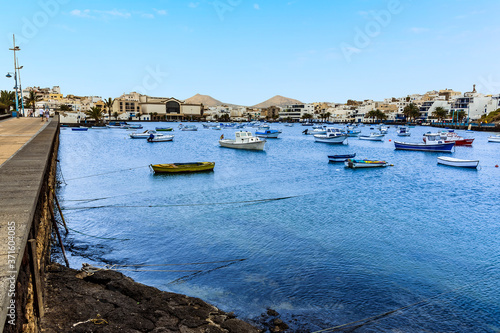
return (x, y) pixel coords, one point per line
(15, 132)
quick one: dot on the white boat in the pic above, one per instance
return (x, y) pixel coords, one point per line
(289, 125)
(495, 138)
(318, 130)
(340, 158)
(189, 128)
(355, 164)
(372, 137)
(143, 135)
(332, 135)
(432, 143)
(384, 129)
(456, 162)
(403, 131)
(160, 138)
(243, 140)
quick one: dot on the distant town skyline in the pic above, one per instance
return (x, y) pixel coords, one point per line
(245, 52)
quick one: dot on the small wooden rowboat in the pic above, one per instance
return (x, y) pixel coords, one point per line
(456, 162)
(354, 164)
(183, 167)
(340, 158)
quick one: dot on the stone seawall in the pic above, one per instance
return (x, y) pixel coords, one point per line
(26, 180)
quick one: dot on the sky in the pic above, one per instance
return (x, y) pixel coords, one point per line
(246, 51)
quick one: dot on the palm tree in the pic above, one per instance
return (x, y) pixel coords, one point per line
(108, 104)
(32, 99)
(64, 107)
(371, 114)
(7, 99)
(95, 113)
(411, 111)
(307, 116)
(440, 113)
(115, 115)
(460, 115)
(328, 115)
(380, 115)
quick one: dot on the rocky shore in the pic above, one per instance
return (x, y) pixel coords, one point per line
(108, 301)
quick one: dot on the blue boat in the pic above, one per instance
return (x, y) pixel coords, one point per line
(432, 143)
(79, 128)
(268, 133)
(340, 158)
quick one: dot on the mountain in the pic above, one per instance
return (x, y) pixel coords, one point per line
(277, 101)
(203, 99)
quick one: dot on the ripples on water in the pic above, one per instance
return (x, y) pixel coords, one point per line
(347, 245)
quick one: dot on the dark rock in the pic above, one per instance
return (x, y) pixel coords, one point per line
(272, 313)
(235, 325)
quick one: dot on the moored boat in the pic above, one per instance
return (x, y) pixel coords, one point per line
(340, 158)
(372, 137)
(451, 136)
(332, 135)
(403, 131)
(189, 128)
(432, 143)
(356, 164)
(456, 162)
(164, 129)
(160, 138)
(143, 135)
(183, 167)
(81, 128)
(495, 138)
(268, 133)
(243, 140)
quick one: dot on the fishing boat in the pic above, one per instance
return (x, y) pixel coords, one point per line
(356, 164)
(288, 125)
(135, 126)
(451, 136)
(243, 140)
(189, 128)
(332, 135)
(432, 143)
(318, 130)
(81, 128)
(383, 129)
(160, 138)
(403, 131)
(143, 135)
(164, 129)
(268, 133)
(495, 138)
(372, 137)
(340, 158)
(352, 131)
(99, 127)
(456, 162)
(307, 124)
(183, 167)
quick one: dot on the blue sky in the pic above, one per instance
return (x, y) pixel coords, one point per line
(244, 52)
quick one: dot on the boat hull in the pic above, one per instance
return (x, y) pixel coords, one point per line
(326, 139)
(164, 129)
(359, 164)
(268, 136)
(161, 138)
(371, 137)
(340, 158)
(183, 167)
(438, 147)
(455, 162)
(259, 145)
(494, 139)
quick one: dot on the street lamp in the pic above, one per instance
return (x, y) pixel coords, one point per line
(15, 88)
(15, 48)
(21, 88)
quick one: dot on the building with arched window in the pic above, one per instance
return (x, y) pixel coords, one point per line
(169, 109)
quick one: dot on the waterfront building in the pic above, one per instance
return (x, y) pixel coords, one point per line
(296, 111)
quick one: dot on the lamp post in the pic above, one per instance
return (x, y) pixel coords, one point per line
(15, 88)
(15, 48)
(21, 88)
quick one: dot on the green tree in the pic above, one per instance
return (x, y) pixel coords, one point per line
(460, 116)
(411, 111)
(64, 107)
(307, 116)
(380, 115)
(371, 114)
(328, 115)
(95, 113)
(115, 115)
(440, 113)
(7, 99)
(108, 104)
(31, 100)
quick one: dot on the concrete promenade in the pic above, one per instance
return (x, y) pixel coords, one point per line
(15, 132)
(25, 149)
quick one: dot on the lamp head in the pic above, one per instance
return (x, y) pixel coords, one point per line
(8, 75)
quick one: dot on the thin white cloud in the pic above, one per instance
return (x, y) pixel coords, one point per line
(148, 16)
(80, 13)
(193, 4)
(160, 11)
(114, 13)
(256, 6)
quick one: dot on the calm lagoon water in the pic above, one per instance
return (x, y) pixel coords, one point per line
(340, 245)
